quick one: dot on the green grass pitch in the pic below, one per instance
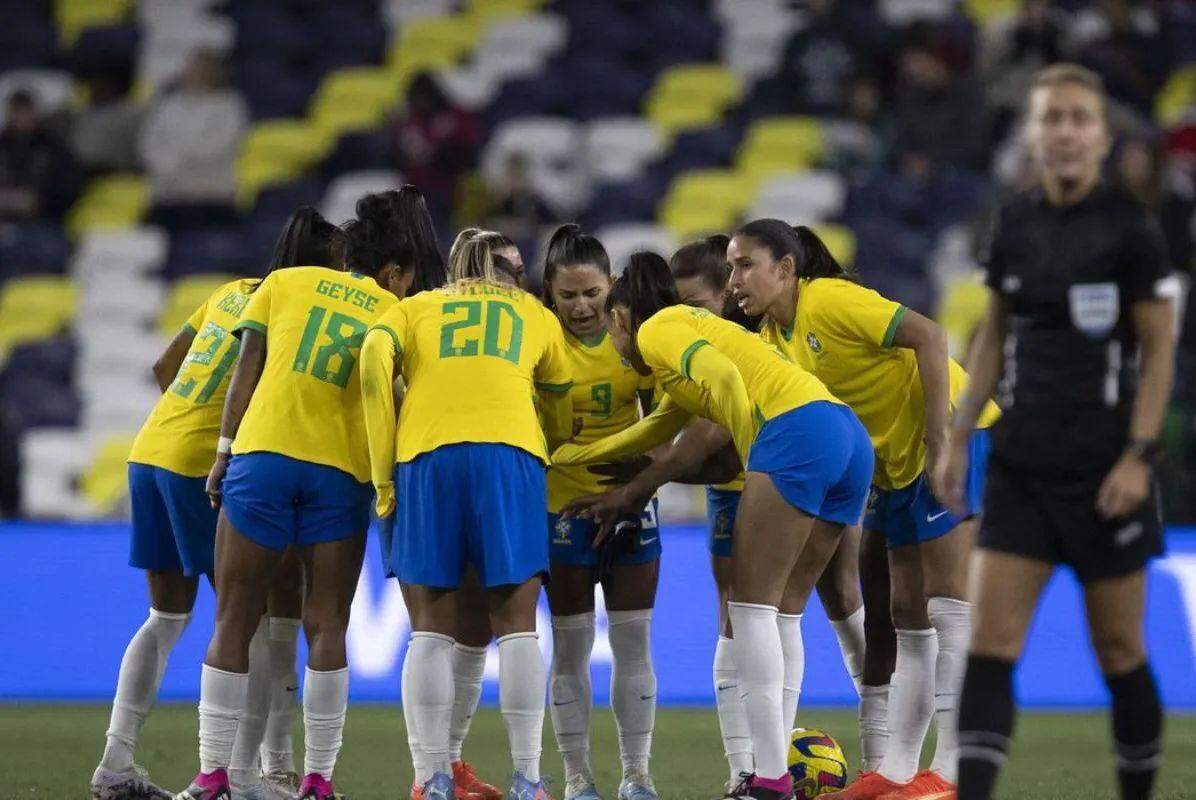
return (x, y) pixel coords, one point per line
(47, 752)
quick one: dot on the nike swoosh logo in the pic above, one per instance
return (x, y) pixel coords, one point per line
(725, 688)
(292, 688)
(647, 697)
(646, 542)
(567, 702)
(940, 515)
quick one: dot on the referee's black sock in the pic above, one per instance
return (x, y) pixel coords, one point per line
(985, 725)
(1137, 730)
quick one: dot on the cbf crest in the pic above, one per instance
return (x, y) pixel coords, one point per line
(815, 344)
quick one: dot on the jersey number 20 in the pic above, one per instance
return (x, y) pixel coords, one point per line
(455, 338)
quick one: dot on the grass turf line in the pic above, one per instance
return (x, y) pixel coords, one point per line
(49, 751)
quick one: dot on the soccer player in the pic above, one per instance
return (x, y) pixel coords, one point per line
(297, 476)
(1079, 338)
(607, 397)
(890, 364)
(174, 527)
(808, 465)
(473, 356)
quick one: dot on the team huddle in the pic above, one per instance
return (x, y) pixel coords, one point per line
(508, 443)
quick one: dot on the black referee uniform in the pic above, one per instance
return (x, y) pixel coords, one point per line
(1069, 276)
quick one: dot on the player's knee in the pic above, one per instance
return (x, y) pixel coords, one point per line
(996, 640)
(1118, 652)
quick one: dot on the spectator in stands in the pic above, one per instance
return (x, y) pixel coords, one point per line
(1031, 41)
(516, 208)
(838, 43)
(37, 172)
(1141, 168)
(939, 111)
(855, 138)
(104, 136)
(189, 143)
(436, 143)
(1125, 47)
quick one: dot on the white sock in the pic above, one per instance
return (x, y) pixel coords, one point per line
(911, 703)
(571, 689)
(278, 750)
(140, 674)
(221, 702)
(874, 725)
(850, 633)
(632, 687)
(952, 621)
(418, 762)
(325, 703)
(243, 768)
(761, 665)
(468, 665)
(521, 696)
(789, 627)
(431, 699)
(732, 716)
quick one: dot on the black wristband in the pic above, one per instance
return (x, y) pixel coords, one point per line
(1145, 450)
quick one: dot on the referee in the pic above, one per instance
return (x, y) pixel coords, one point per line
(1077, 344)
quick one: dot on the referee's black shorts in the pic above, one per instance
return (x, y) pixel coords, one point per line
(1054, 519)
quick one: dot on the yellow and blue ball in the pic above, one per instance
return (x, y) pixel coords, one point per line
(816, 762)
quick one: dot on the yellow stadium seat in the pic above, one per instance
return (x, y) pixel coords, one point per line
(491, 10)
(186, 295)
(839, 240)
(354, 99)
(1177, 97)
(35, 308)
(692, 96)
(961, 307)
(691, 222)
(72, 17)
(781, 144)
(111, 202)
(988, 12)
(278, 151)
(705, 201)
(434, 43)
(105, 483)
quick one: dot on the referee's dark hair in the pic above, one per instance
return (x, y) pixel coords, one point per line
(645, 287)
(811, 258)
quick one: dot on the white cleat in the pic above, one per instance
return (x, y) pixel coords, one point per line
(261, 791)
(637, 786)
(581, 787)
(284, 781)
(130, 784)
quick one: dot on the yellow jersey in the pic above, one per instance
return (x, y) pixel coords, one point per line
(307, 404)
(605, 398)
(180, 433)
(763, 384)
(473, 357)
(843, 333)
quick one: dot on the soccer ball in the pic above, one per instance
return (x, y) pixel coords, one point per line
(816, 763)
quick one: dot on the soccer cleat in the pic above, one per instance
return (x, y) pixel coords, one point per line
(926, 785)
(523, 789)
(207, 786)
(734, 788)
(753, 787)
(316, 787)
(459, 792)
(474, 788)
(581, 787)
(130, 784)
(637, 786)
(438, 787)
(868, 786)
(286, 781)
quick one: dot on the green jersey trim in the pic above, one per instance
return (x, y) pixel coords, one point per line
(891, 331)
(688, 355)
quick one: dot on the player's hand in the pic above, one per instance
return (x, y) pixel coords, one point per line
(216, 479)
(618, 473)
(578, 424)
(1125, 488)
(938, 459)
(949, 475)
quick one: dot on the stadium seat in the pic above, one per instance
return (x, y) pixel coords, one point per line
(1177, 98)
(900, 13)
(210, 250)
(753, 44)
(704, 202)
(185, 296)
(34, 308)
(433, 43)
(554, 147)
(353, 100)
(113, 201)
(542, 33)
(990, 12)
(618, 148)
(801, 197)
(53, 91)
(32, 248)
(839, 240)
(781, 144)
(397, 13)
(961, 307)
(171, 41)
(277, 151)
(692, 96)
(72, 17)
(104, 482)
(51, 460)
(117, 404)
(117, 255)
(623, 240)
(340, 200)
(138, 302)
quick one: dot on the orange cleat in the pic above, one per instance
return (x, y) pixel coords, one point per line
(474, 787)
(868, 786)
(926, 785)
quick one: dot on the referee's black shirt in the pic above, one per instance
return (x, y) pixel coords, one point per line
(1069, 275)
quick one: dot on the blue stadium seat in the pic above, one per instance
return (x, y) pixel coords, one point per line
(700, 149)
(50, 359)
(27, 37)
(274, 87)
(34, 248)
(105, 49)
(213, 250)
(600, 86)
(634, 201)
(528, 97)
(358, 151)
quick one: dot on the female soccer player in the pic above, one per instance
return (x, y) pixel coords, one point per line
(174, 527)
(1080, 325)
(472, 355)
(298, 476)
(891, 366)
(607, 397)
(808, 464)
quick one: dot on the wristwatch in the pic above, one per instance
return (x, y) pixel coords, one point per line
(1145, 450)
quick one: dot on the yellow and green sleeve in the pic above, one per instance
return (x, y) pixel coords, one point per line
(379, 354)
(658, 428)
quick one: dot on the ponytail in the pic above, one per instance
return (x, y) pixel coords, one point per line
(645, 287)
(811, 258)
(374, 240)
(570, 246)
(307, 240)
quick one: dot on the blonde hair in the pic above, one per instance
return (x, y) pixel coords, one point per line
(474, 259)
(1069, 74)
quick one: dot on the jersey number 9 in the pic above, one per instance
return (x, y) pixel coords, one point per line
(454, 335)
(345, 336)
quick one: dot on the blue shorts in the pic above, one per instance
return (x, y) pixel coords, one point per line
(479, 504)
(571, 540)
(174, 524)
(910, 515)
(721, 507)
(278, 501)
(819, 458)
